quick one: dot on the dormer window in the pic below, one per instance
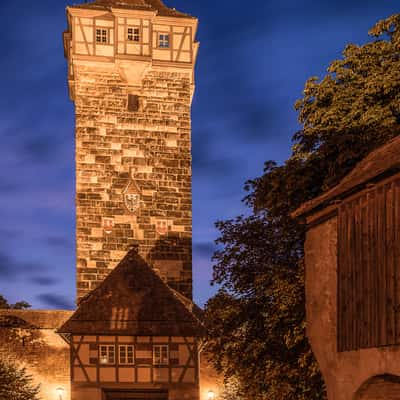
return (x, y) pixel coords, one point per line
(163, 41)
(133, 35)
(102, 36)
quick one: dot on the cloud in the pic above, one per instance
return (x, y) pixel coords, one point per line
(7, 267)
(8, 187)
(204, 250)
(10, 233)
(10, 268)
(207, 160)
(44, 280)
(55, 301)
(60, 242)
(39, 148)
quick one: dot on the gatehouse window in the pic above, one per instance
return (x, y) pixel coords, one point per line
(107, 354)
(163, 40)
(102, 36)
(126, 354)
(133, 34)
(160, 355)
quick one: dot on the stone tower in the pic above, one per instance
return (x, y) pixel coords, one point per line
(131, 77)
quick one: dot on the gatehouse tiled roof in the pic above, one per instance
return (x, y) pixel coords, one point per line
(133, 300)
(379, 163)
(147, 5)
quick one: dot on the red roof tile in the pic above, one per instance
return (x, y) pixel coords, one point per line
(150, 5)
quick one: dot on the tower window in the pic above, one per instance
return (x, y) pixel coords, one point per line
(133, 102)
(107, 355)
(163, 41)
(160, 355)
(133, 35)
(126, 354)
(102, 36)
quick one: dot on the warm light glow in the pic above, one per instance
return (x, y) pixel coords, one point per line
(103, 360)
(60, 392)
(210, 395)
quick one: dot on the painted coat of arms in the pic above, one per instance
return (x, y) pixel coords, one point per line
(108, 225)
(132, 197)
(162, 226)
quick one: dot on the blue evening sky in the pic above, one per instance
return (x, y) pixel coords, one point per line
(253, 62)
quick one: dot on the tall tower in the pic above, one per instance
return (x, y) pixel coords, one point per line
(131, 77)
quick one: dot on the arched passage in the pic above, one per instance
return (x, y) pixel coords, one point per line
(381, 387)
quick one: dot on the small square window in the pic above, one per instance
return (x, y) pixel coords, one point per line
(133, 35)
(126, 354)
(163, 41)
(133, 102)
(107, 355)
(160, 355)
(102, 36)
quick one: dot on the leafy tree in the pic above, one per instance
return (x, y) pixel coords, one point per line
(257, 318)
(16, 384)
(3, 303)
(19, 305)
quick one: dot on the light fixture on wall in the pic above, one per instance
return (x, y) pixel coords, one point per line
(60, 392)
(210, 395)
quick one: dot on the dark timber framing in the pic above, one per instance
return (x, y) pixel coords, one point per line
(172, 342)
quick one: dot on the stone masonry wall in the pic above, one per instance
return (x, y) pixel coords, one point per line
(28, 339)
(382, 387)
(133, 174)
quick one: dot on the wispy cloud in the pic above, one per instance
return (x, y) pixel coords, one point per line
(44, 280)
(55, 301)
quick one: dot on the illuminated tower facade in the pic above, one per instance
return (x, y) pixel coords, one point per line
(131, 77)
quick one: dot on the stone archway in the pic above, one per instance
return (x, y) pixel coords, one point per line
(381, 387)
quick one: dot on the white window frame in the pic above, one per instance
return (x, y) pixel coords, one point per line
(134, 36)
(161, 360)
(126, 347)
(107, 354)
(164, 40)
(102, 33)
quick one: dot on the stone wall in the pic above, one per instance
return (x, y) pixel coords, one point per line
(133, 174)
(344, 372)
(28, 339)
(380, 388)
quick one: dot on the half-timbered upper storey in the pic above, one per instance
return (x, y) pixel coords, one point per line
(119, 31)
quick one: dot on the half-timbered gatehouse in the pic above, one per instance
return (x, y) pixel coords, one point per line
(134, 338)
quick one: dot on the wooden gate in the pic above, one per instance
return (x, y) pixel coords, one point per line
(369, 268)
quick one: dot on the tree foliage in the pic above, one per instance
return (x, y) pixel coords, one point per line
(16, 384)
(257, 318)
(19, 305)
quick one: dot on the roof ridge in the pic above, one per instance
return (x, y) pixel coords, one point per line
(154, 5)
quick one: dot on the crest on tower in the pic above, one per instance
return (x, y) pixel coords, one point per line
(132, 196)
